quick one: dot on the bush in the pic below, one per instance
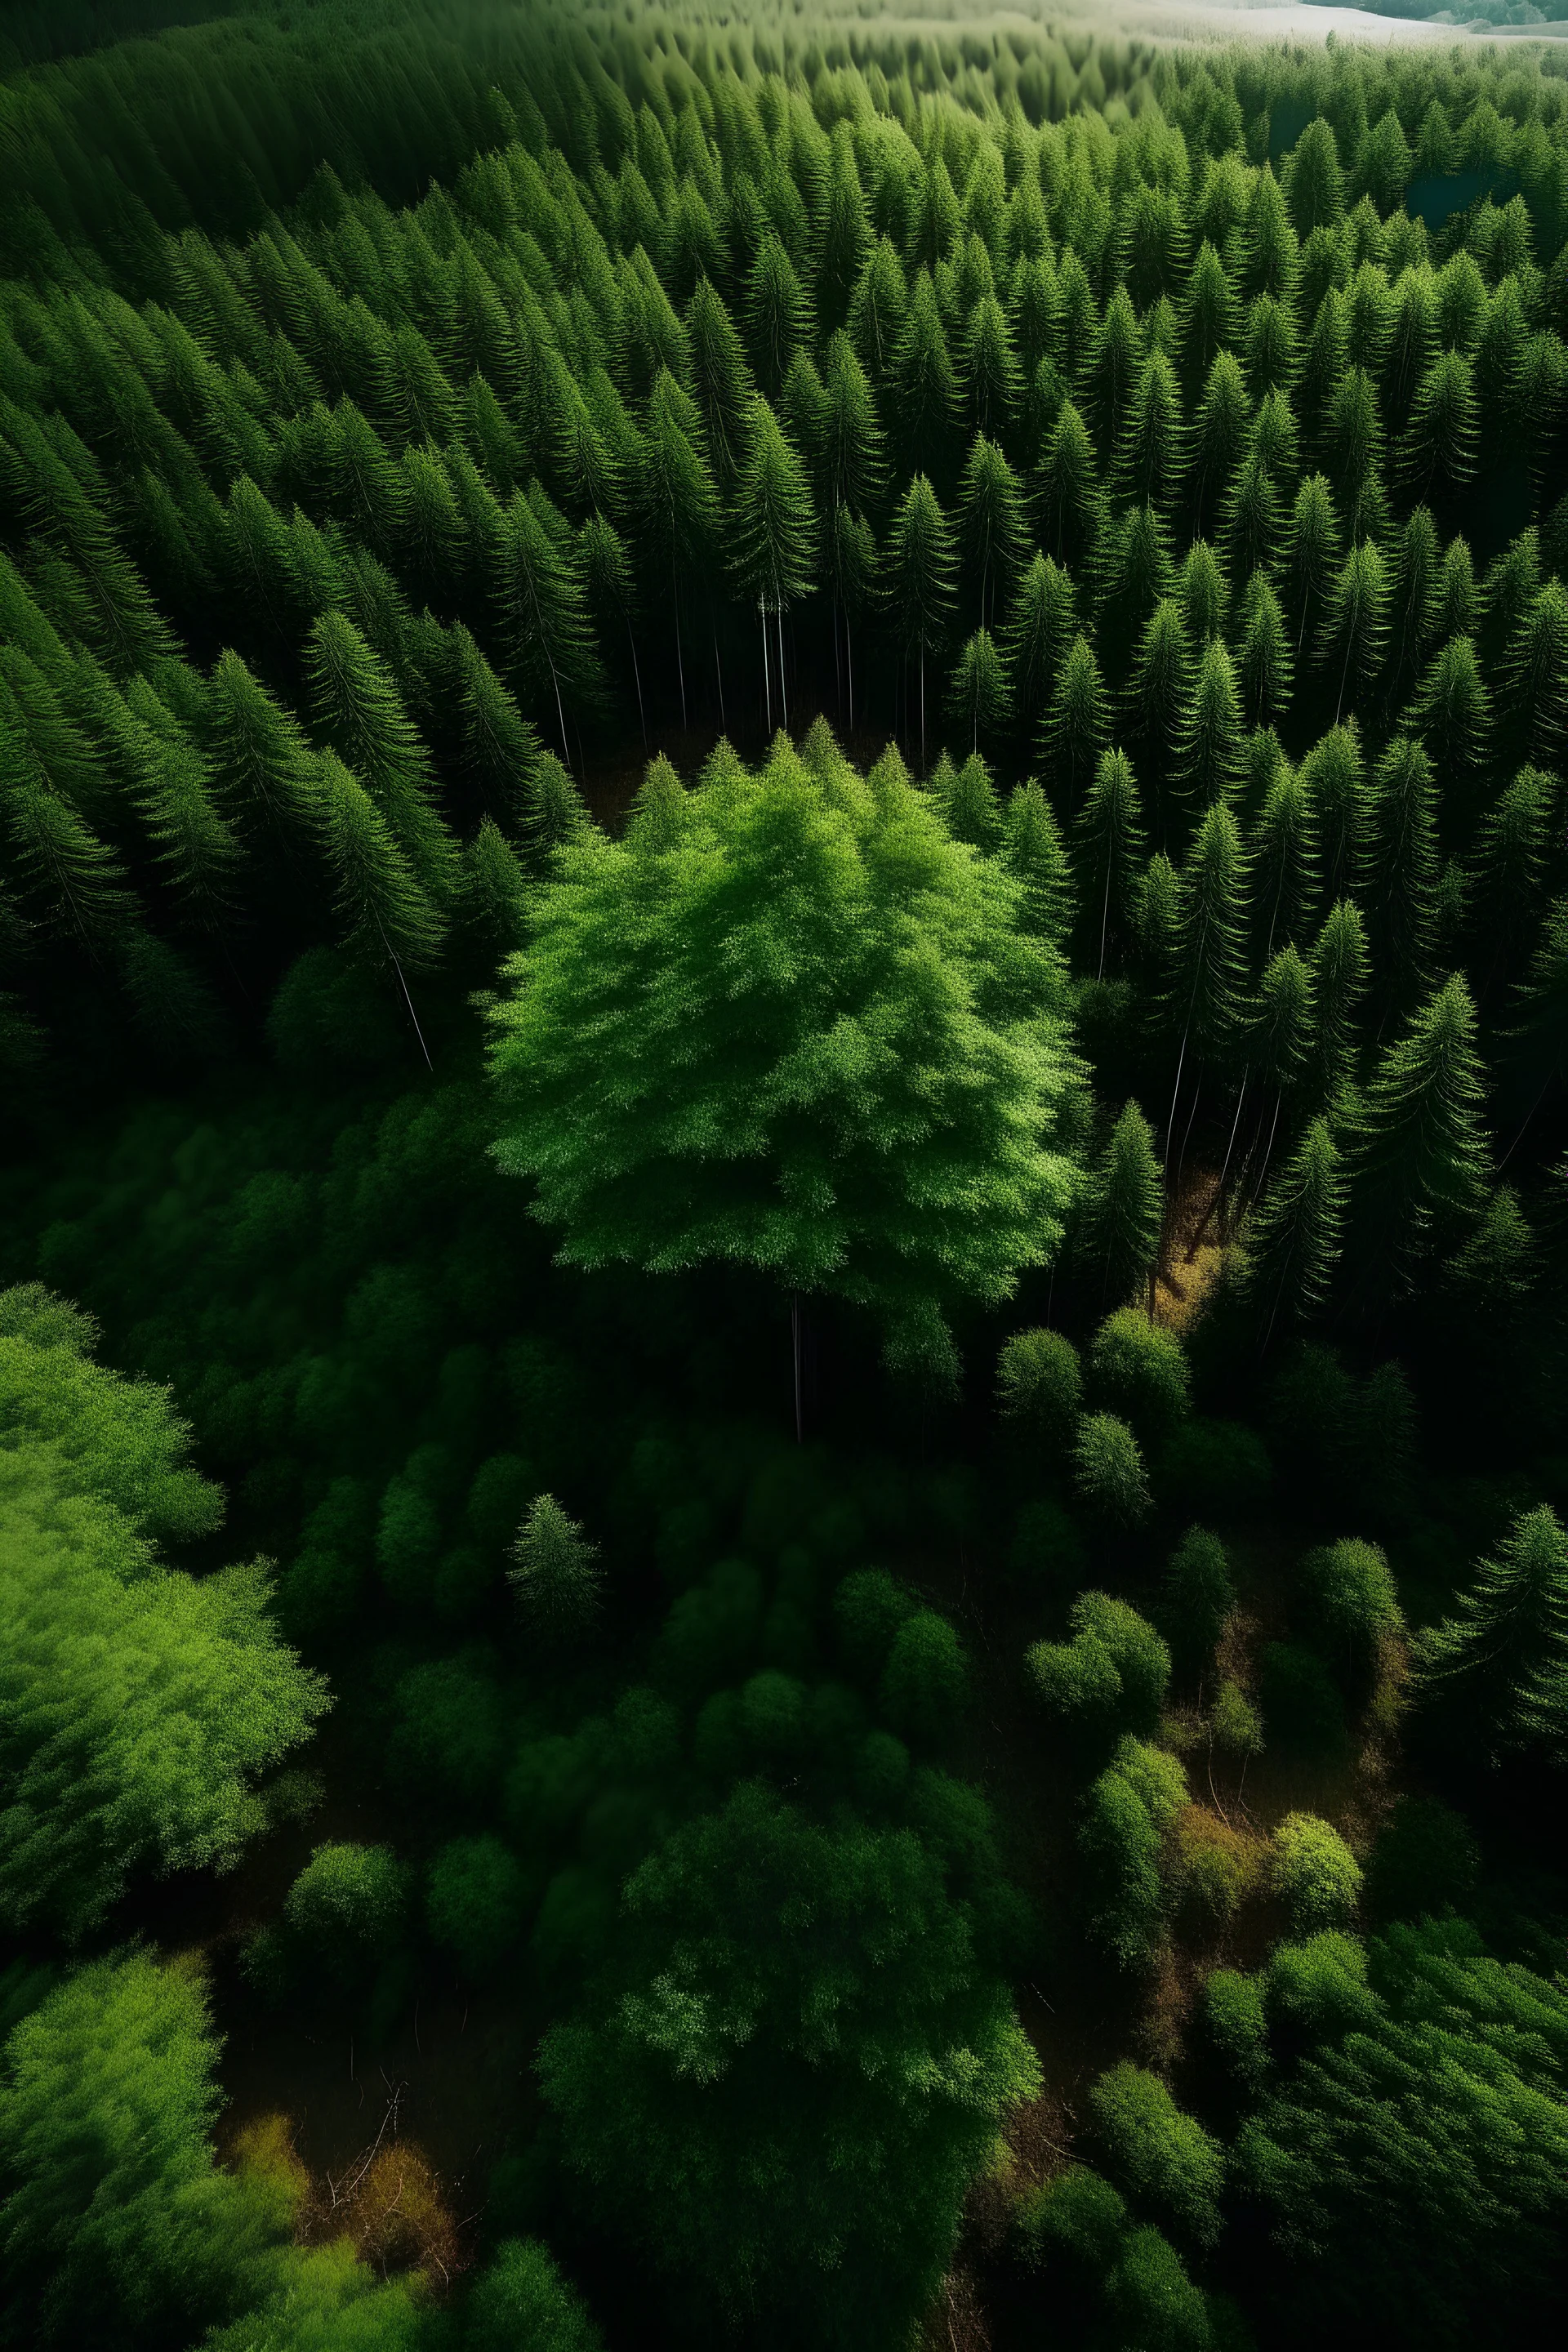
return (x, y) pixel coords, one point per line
(925, 1683)
(1151, 2302)
(1235, 2029)
(554, 1574)
(1425, 1860)
(1302, 1704)
(1349, 1602)
(868, 1608)
(1317, 1990)
(1108, 1469)
(1198, 1597)
(1039, 1385)
(1120, 1841)
(475, 1902)
(1164, 2158)
(1110, 1678)
(1218, 1467)
(346, 1908)
(1219, 1868)
(1314, 1874)
(520, 2299)
(1138, 1370)
(446, 1745)
(1078, 2218)
(1234, 1722)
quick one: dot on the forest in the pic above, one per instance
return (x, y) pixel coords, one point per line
(784, 1185)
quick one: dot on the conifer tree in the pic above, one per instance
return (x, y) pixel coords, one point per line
(359, 710)
(1313, 558)
(1078, 723)
(774, 543)
(1067, 492)
(990, 524)
(779, 317)
(879, 311)
(1265, 666)
(1041, 626)
(194, 847)
(978, 699)
(721, 383)
(1295, 1241)
(991, 371)
(1206, 597)
(678, 511)
(1284, 852)
(1219, 436)
(559, 1588)
(1159, 698)
(1504, 1651)
(918, 580)
(924, 390)
(1122, 1208)
(1420, 1148)
(1036, 856)
(1211, 950)
(1340, 971)
(970, 808)
(1354, 638)
(1508, 870)
(1209, 758)
(1535, 679)
(1399, 882)
(385, 914)
(1438, 447)
(1110, 851)
(1209, 316)
(854, 456)
(1150, 453)
(1452, 709)
(845, 235)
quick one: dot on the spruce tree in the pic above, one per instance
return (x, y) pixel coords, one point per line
(879, 311)
(978, 700)
(1284, 852)
(854, 455)
(1266, 664)
(1219, 437)
(918, 580)
(1078, 724)
(679, 514)
(1068, 494)
(991, 371)
(1041, 626)
(779, 317)
(1503, 1654)
(385, 914)
(923, 387)
(1340, 970)
(1295, 1240)
(990, 525)
(1159, 700)
(1209, 757)
(361, 713)
(1420, 1148)
(1109, 854)
(1399, 880)
(1033, 854)
(1311, 558)
(721, 383)
(1354, 636)
(774, 542)
(559, 1588)
(1124, 1207)
(1211, 953)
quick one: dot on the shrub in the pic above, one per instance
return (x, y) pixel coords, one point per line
(1078, 2218)
(1301, 1704)
(1425, 1860)
(1235, 1723)
(1316, 1989)
(474, 1902)
(1150, 2299)
(1110, 1678)
(1108, 1469)
(346, 1907)
(521, 2299)
(1120, 1840)
(868, 1608)
(1198, 1596)
(1235, 2028)
(1138, 1370)
(1219, 1867)
(553, 1574)
(1314, 1874)
(925, 1682)
(1039, 1384)
(446, 1745)
(1165, 2158)
(1349, 1602)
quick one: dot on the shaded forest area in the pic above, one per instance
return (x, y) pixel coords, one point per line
(783, 989)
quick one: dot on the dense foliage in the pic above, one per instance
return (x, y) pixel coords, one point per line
(783, 991)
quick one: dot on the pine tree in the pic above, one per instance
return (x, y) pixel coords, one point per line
(774, 544)
(1452, 709)
(1068, 491)
(1414, 596)
(1420, 1148)
(558, 1585)
(1295, 1240)
(721, 383)
(1209, 760)
(1033, 854)
(499, 748)
(978, 700)
(1312, 557)
(1113, 373)
(1271, 346)
(845, 235)
(1284, 853)
(779, 318)
(1150, 451)
(1253, 519)
(1159, 700)
(1108, 853)
(679, 514)
(1041, 626)
(1504, 1653)
(1211, 951)
(1535, 677)
(854, 456)
(879, 312)
(1078, 724)
(1354, 638)
(1438, 447)
(991, 371)
(1399, 881)
(924, 388)
(918, 580)
(385, 913)
(1204, 592)
(1124, 1207)
(1507, 871)
(1220, 433)
(990, 524)
(1265, 666)
(195, 846)
(1340, 971)
(970, 809)
(1209, 316)
(360, 712)
(850, 556)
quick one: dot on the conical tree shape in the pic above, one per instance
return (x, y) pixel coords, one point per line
(385, 914)
(1413, 599)
(1311, 558)
(1041, 626)
(969, 805)
(854, 456)
(1452, 711)
(1123, 1208)
(1204, 592)
(918, 578)
(1209, 316)
(773, 544)
(1354, 639)
(194, 847)
(1504, 1651)
(1151, 453)
(1282, 1030)
(779, 318)
(923, 390)
(721, 383)
(1295, 1240)
(1033, 854)
(1253, 521)
(1219, 437)
(990, 527)
(1209, 761)
(558, 1585)
(1113, 371)
(978, 701)
(1340, 970)
(1438, 447)
(1273, 346)
(1159, 700)
(1507, 872)
(1068, 491)
(499, 746)
(1535, 679)
(258, 754)
(844, 237)
(1211, 963)
(1420, 1160)
(1267, 667)
(361, 713)
(1284, 852)
(679, 516)
(992, 376)
(879, 312)
(1109, 854)
(1078, 724)
(1399, 881)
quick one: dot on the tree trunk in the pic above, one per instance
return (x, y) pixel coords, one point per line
(784, 691)
(767, 685)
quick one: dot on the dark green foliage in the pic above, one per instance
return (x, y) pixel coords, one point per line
(1198, 1597)
(1503, 1655)
(553, 1575)
(521, 2297)
(1110, 1678)
(346, 1907)
(1039, 1385)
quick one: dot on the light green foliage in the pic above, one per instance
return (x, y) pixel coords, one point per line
(347, 1905)
(1108, 1470)
(326, 2300)
(1350, 1603)
(780, 1987)
(1120, 1842)
(1165, 2159)
(117, 2226)
(712, 1049)
(1235, 2028)
(1123, 1205)
(1110, 1678)
(520, 2299)
(1314, 1874)
(1317, 1988)
(1139, 1370)
(553, 1574)
(1039, 1384)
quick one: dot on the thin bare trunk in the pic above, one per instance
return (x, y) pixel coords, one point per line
(783, 690)
(637, 673)
(849, 666)
(679, 658)
(767, 685)
(719, 672)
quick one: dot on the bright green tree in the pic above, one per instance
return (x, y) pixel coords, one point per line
(774, 542)
(918, 580)
(559, 1588)
(1124, 1207)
